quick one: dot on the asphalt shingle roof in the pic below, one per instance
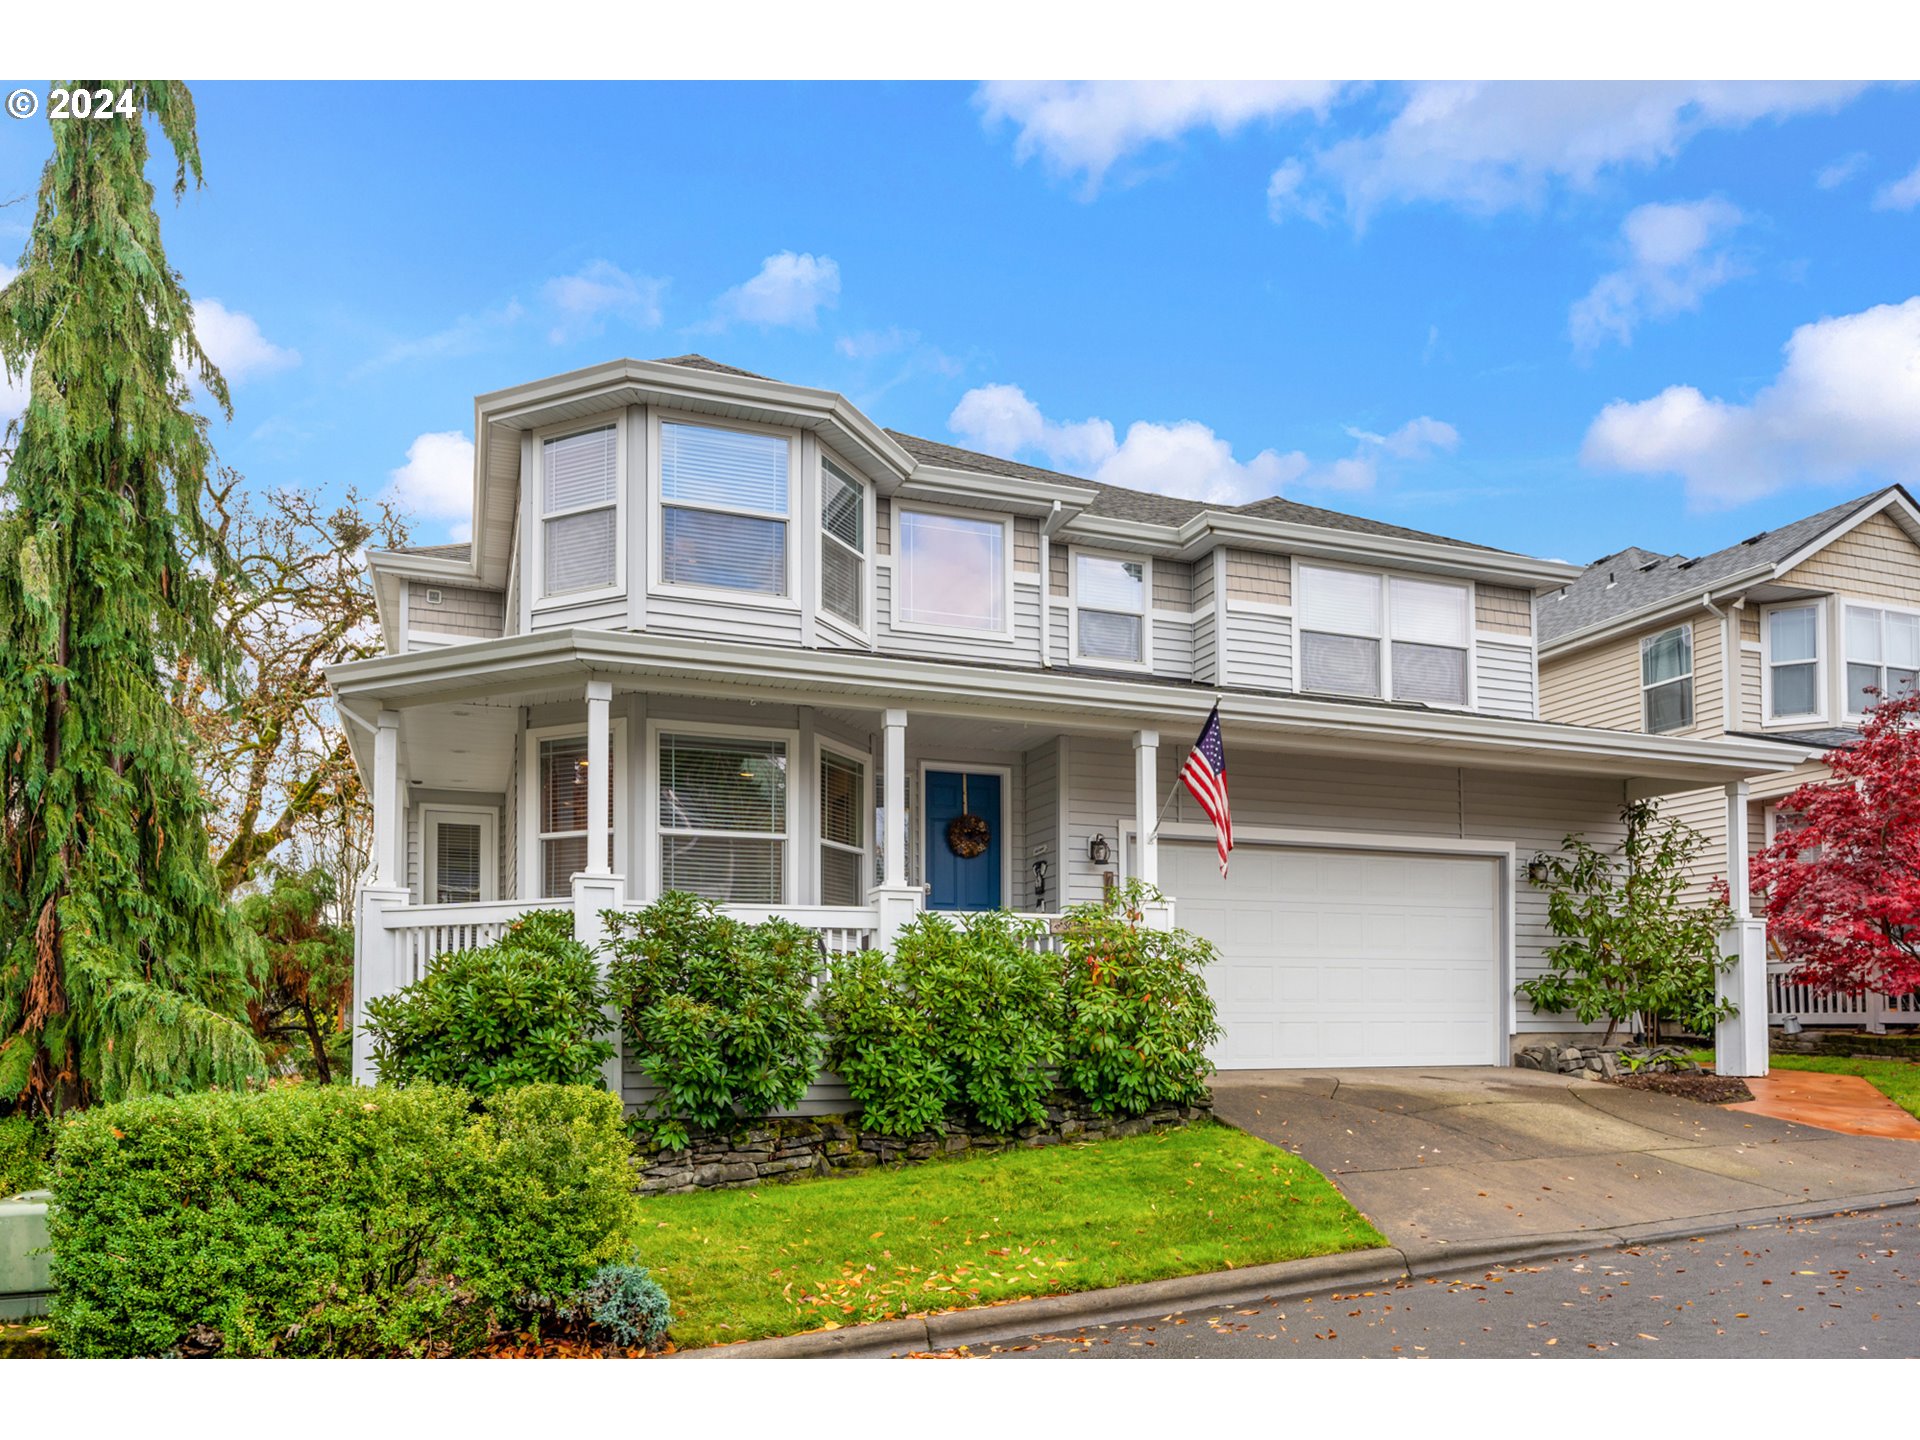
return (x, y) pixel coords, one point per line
(1636, 579)
(1115, 501)
(460, 551)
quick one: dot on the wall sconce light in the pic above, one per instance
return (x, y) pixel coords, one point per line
(1538, 870)
(1098, 851)
(1040, 884)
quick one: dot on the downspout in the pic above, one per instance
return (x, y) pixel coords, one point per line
(1727, 639)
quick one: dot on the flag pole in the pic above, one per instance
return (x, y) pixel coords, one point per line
(1173, 793)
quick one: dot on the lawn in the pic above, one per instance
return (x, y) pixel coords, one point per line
(1898, 1080)
(877, 1244)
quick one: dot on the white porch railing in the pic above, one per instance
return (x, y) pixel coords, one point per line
(423, 932)
(1788, 999)
(841, 928)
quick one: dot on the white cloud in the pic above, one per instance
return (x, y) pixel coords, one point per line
(1832, 177)
(584, 301)
(1184, 458)
(1671, 263)
(1487, 147)
(1901, 194)
(436, 483)
(466, 336)
(233, 342)
(789, 290)
(1084, 126)
(1845, 403)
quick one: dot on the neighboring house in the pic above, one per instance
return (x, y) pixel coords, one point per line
(1790, 634)
(798, 647)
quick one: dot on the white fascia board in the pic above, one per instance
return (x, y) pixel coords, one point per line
(1671, 608)
(422, 567)
(1078, 702)
(1005, 493)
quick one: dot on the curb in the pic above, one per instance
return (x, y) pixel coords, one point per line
(1285, 1279)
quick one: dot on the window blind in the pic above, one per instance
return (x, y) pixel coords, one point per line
(733, 469)
(723, 817)
(843, 546)
(456, 862)
(726, 552)
(580, 483)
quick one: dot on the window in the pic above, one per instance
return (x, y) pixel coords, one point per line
(562, 763)
(843, 853)
(458, 856)
(843, 546)
(723, 817)
(1110, 608)
(723, 508)
(950, 572)
(1883, 656)
(1666, 680)
(1793, 662)
(580, 510)
(1346, 615)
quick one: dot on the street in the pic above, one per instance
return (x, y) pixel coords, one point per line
(1826, 1288)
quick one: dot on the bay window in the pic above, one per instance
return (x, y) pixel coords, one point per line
(1666, 680)
(843, 814)
(1793, 662)
(1883, 656)
(1384, 636)
(580, 511)
(1110, 609)
(724, 501)
(843, 546)
(950, 572)
(723, 816)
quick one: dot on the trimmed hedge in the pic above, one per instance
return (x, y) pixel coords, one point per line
(331, 1221)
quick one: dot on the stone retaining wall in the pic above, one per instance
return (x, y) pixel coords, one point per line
(1604, 1061)
(787, 1149)
(1848, 1043)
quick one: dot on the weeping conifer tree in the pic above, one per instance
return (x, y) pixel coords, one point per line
(122, 970)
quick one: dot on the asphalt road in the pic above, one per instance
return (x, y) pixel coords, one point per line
(1835, 1287)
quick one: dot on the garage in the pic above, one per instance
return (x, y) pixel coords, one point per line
(1347, 957)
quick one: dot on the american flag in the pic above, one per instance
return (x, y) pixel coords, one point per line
(1205, 775)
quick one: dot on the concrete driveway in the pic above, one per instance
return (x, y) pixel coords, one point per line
(1445, 1159)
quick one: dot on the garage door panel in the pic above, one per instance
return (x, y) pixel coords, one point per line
(1338, 957)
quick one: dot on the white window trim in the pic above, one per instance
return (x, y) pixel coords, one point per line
(1004, 828)
(1855, 602)
(1385, 637)
(530, 831)
(537, 491)
(1822, 643)
(898, 559)
(864, 630)
(1646, 643)
(657, 584)
(791, 839)
(824, 746)
(1145, 662)
(431, 816)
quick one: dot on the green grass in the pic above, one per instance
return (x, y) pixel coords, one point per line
(1898, 1080)
(878, 1244)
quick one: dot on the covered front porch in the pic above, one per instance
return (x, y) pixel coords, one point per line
(826, 787)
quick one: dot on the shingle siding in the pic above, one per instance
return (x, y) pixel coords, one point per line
(1264, 578)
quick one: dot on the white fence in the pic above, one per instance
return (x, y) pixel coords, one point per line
(1789, 1000)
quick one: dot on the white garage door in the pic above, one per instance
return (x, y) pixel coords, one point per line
(1346, 957)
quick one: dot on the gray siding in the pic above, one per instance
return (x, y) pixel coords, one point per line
(464, 612)
(1259, 649)
(732, 620)
(1172, 648)
(1504, 679)
(1042, 795)
(1205, 636)
(1023, 649)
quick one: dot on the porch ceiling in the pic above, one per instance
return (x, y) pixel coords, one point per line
(556, 664)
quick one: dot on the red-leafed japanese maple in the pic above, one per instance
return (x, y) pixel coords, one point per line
(1842, 877)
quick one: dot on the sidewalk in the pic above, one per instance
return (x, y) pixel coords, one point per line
(1847, 1104)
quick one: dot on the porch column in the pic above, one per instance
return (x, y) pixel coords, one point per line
(599, 767)
(1740, 1041)
(1146, 792)
(376, 952)
(895, 902)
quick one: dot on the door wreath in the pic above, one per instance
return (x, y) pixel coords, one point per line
(968, 835)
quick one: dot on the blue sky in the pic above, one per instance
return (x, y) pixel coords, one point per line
(1553, 318)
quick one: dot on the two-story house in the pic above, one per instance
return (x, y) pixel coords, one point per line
(1792, 634)
(724, 634)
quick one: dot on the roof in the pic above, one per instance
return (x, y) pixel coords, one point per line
(1832, 737)
(1623, 584)
(461, 551)
(701, 362)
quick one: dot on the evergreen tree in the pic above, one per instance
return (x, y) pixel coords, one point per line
(122, 969)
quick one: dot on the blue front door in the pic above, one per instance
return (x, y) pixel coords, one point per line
(962, 882)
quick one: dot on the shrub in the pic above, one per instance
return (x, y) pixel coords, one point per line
(26, 1145)
(329, 1221)
(1139, 1016)
(993, 1003)
(528, 1008)
(884, 1045)
(622, 1303)
(717, 1012)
